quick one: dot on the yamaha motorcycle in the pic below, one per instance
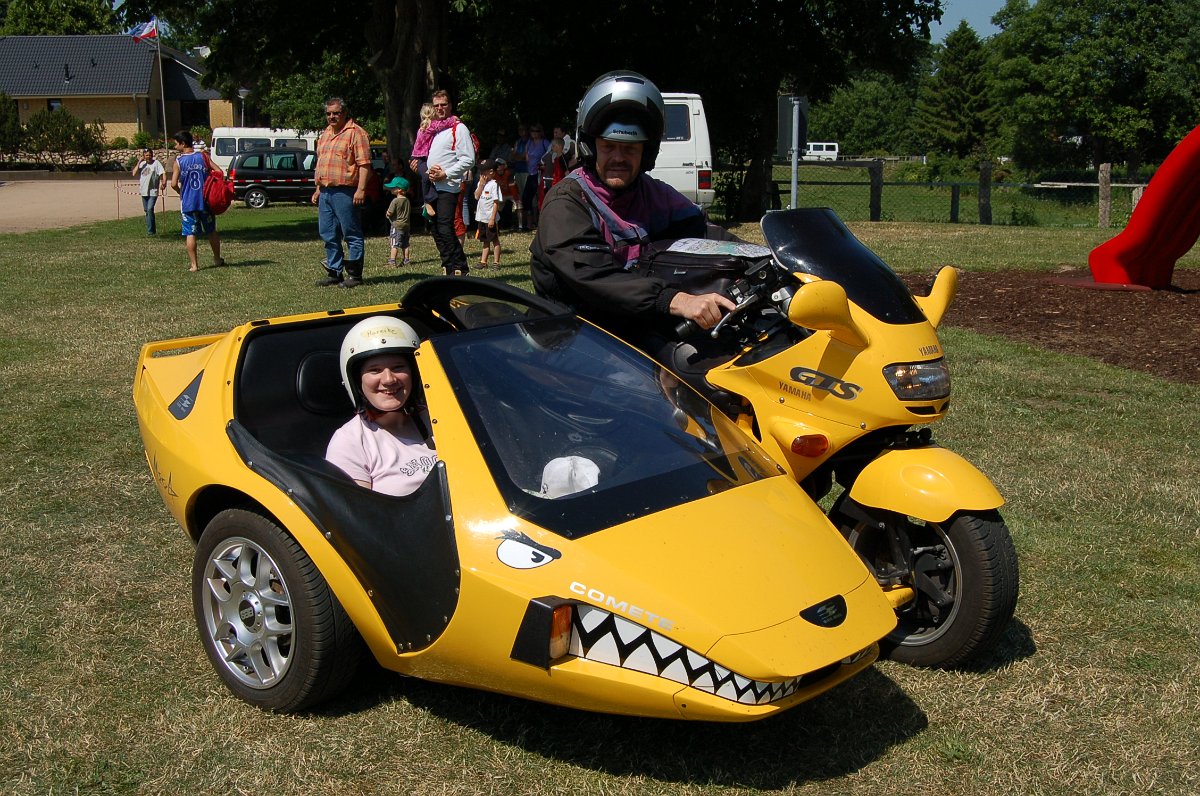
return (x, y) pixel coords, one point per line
(836, 368)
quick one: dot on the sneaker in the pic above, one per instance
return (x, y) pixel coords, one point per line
(329, 281)
(218, 262)
(407, 261)
(391, 262)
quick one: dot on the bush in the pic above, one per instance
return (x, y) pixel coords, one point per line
(53, 136)
(11, 134)
(120, 142)
(201, 133)
(141, 139)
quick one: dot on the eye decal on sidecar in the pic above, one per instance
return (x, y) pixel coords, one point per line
(520, 552)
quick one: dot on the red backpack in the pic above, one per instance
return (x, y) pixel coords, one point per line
(218, 191)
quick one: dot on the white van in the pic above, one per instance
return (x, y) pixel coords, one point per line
(821, 150)
(685, 157)
(231, 141)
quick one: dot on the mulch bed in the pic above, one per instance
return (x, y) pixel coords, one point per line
(1155, 332)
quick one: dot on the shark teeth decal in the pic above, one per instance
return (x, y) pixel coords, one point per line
(600, 636)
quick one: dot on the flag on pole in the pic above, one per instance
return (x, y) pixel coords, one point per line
(146, 30)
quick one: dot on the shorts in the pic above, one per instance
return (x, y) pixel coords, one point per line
(200, 222)
(398, 238)
(488, 234)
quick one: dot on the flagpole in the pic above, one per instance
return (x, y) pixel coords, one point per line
(162, 86)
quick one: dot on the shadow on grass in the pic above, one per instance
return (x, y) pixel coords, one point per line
(295, 230)
(832, 736)
(1016, 644)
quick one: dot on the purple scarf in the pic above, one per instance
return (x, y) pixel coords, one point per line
(635, 216)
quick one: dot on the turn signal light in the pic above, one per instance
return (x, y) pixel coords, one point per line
(810, 445)
(560, 631)
(704, 176)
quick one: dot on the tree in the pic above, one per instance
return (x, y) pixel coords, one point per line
(739, 56)
(1110, 79)
(871, 114)
(57, 17)
(956, 112)
(401, 42)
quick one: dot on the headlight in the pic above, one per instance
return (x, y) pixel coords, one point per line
(919, 381)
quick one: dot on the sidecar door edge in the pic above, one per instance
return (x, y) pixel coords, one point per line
(467, 302)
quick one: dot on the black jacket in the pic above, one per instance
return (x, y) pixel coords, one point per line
(573, 264)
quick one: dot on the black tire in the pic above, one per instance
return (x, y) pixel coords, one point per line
(271, 628)
(966, 578)
(256, 199)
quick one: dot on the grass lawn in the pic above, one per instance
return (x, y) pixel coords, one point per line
(104, 687)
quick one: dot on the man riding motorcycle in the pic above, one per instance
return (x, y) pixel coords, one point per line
(595, 222)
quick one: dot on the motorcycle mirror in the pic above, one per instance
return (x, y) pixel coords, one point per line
(823, 305)
(945, 286)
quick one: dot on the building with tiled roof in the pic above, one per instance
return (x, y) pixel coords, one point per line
(112, 78)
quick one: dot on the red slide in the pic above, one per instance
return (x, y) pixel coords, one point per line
(1164, 225)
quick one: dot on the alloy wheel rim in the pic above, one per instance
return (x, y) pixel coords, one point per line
(917, 627)
(247, 612)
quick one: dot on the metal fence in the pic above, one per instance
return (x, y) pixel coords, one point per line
(857, 192)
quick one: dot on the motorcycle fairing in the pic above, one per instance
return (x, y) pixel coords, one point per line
(813, 240)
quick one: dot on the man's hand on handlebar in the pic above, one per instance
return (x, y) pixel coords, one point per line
(704, 310)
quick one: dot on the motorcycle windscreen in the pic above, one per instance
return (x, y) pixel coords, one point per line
(581, 432)
(813, 240)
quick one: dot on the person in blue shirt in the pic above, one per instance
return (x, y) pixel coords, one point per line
(187, 179)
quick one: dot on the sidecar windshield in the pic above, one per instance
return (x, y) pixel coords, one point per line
(580, 432)
(814, 241)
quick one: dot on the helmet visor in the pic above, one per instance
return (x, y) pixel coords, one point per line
(620, 130)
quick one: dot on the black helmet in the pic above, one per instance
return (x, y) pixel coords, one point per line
(621, 106)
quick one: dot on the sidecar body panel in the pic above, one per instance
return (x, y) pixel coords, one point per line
(700, 581)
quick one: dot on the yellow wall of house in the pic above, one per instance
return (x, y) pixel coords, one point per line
(122, 116)
(220, 114)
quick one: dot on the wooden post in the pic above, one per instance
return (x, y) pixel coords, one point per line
(875, 170)
(985, 192)
(955, 197)
(1105, 180)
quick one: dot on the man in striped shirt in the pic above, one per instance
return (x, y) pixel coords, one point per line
(343, 169)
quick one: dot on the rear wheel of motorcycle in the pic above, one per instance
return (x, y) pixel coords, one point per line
(271, 627)
(965, 576)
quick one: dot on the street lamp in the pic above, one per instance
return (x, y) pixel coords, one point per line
(243, 93)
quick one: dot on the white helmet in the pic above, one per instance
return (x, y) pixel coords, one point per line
(379, 334)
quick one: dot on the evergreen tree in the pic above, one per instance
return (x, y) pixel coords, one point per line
(956, 112)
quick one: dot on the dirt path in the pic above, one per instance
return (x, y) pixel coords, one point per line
(54, 204)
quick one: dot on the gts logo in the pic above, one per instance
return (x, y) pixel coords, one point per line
(817, 380)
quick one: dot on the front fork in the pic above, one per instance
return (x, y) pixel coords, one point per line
(884, 541)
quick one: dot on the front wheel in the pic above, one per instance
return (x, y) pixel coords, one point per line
(256, 199)
(963, 573)
(271, 627)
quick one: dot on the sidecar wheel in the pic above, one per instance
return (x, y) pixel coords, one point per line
(270, 626)
(966, 579)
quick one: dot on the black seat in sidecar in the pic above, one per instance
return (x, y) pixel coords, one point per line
(288, 383)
